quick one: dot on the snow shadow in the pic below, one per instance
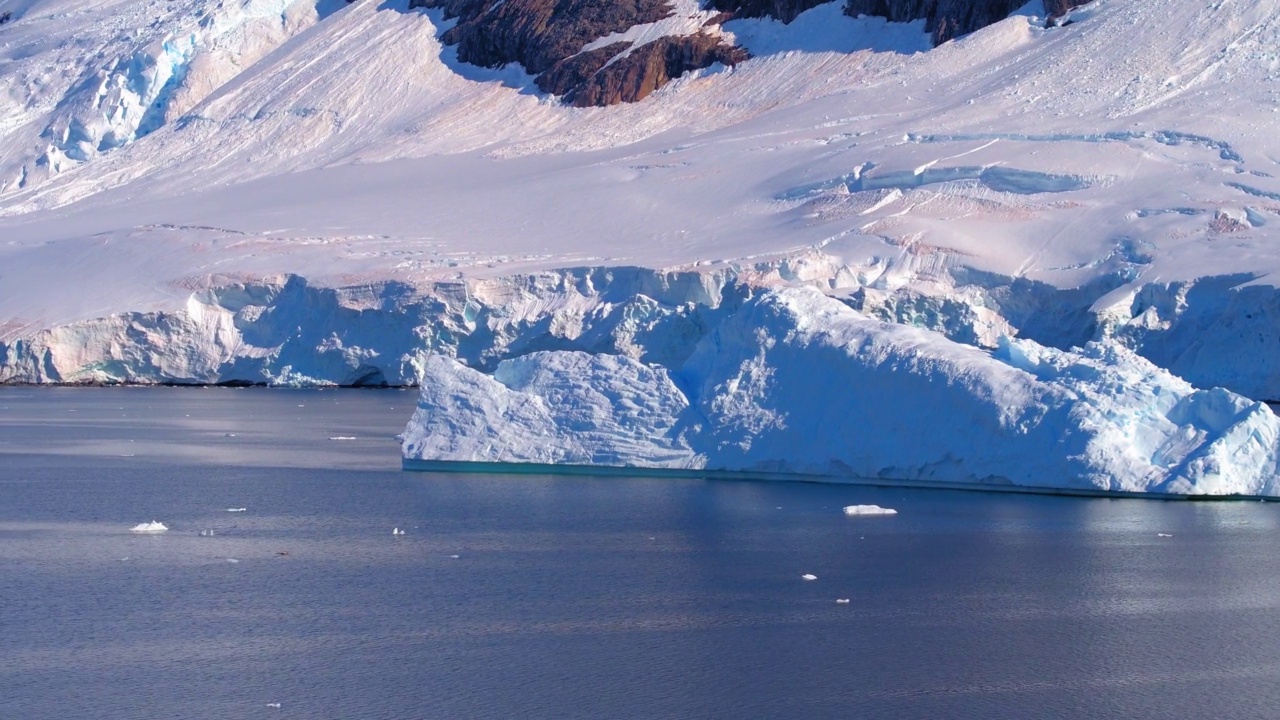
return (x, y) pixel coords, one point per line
(998, 178)
(511, 75)
(826, 28)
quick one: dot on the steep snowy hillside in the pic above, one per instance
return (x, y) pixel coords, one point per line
(297, 192)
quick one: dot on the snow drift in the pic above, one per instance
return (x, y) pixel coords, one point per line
(798, 383)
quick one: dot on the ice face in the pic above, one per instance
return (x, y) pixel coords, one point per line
(796, 382)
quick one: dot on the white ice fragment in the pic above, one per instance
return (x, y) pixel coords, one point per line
(206, 533)
(236, 509)
(842, 601)
(397, 531)
(807, 576)
(868, 510)
(232, 560)
(273, 705)
(1164, 535)
(149, 528)
(343, 437)
(455, 557)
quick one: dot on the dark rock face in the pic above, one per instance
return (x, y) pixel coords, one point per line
(944, 19)
(784, 10)
(537, 33)
(571, 73)
(547, 37)
(1058, 8)
(651, 66)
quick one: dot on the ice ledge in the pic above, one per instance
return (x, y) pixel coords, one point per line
(795, 383)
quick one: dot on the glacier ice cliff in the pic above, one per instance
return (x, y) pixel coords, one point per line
(795, 382)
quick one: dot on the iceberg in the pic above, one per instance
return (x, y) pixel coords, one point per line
(149, 528)
(796, 383)
(868, 510)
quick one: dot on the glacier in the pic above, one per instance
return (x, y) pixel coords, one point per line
(314, 192)
(795, 383)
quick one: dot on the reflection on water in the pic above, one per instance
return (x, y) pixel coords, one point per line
(575, 597)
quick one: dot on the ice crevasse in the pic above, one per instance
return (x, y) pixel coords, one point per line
(796, 382)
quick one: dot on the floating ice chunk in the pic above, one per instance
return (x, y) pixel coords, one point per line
(232, 560)
(842, 601)
(1164, 535)
(343, 437)
(150, 528)
(868, 510)
(206, 533)
(455, 557)
(236, 509)
(807, 576)
(273, 705)
(397, 531)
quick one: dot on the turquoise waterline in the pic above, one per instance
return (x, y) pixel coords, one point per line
(498, 468)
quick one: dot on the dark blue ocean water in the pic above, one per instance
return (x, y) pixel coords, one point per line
(572, 597)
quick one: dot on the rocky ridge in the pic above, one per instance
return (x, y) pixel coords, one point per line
(565, 44)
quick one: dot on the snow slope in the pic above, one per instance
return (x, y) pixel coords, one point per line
(798, 383)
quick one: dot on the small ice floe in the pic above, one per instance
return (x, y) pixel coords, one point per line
(231, 434)
(842, 601)
(807, 576)
(1164, 535)
(232, 560)
(236, 509)
(273, 705)
(455, 557)
(150, 528)
(343, 437)
(397, 531)
(206, 533)
(868, 510)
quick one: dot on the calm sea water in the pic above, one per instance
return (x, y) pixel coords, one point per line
(570, 597)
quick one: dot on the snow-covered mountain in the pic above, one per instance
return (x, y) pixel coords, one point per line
(303, 192)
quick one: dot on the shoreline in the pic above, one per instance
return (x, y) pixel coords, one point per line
(605, 471)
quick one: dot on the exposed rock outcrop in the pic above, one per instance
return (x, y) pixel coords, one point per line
(547, 38)
(537, 33)
(784, 10)
(1058, 8)
(649, 67)
(944, 19)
